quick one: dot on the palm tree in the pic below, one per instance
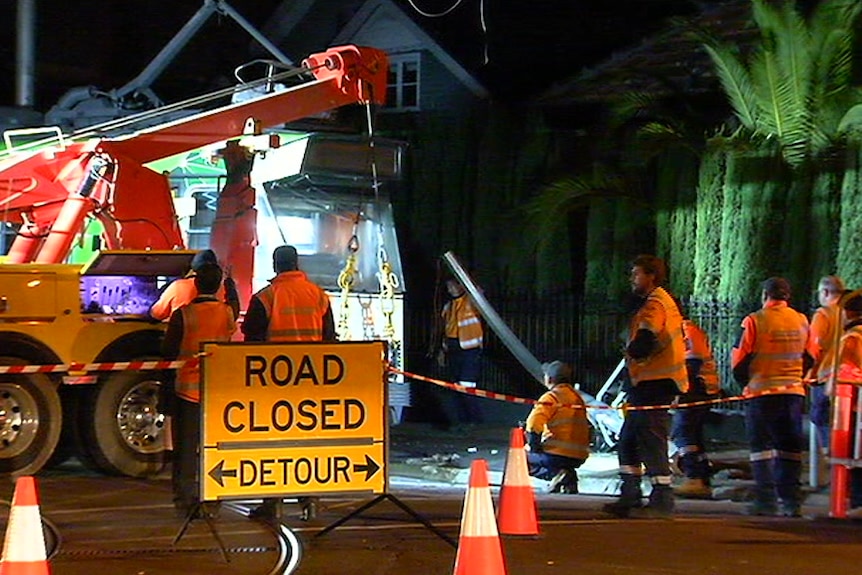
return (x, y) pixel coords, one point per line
(793, 89)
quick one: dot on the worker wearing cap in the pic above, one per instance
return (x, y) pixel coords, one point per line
(182, 291)
(655, 359)
(825, 323)
(291, 308)
(850, 372)
(688, 421)
(205, 318)
(770, 359)
(558, 432)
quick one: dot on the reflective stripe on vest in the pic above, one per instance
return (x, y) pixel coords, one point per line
(202, 321)
(567, 433)
(697, 347)
(782, 333)
(669, 361)
(295, 308)
(461, 316)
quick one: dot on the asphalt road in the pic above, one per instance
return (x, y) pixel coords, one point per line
(125, 526)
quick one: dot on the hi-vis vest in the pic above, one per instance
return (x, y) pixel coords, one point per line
(202, 321)
(782, 334)
(668, 361)
(832, 313)
(850, 368)
(564, 427)
(295, 308)
(463, 322)
(697, 347)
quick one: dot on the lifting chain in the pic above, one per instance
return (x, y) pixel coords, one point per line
(346, 279)
(365, 302)
(388, 283)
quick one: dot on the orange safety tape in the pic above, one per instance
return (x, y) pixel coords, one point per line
(104, 366)
(515, 399)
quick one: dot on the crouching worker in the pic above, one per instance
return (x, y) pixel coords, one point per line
(558, 433)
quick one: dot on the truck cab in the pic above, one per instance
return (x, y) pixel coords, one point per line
(54, 320)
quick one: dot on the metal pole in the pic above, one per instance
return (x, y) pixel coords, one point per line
(26, 54)
(509, 339)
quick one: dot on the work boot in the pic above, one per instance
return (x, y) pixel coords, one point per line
(660, 504)
(629, 499)
(693, 488)
(565, 481)
(763, 505)
(791, 508)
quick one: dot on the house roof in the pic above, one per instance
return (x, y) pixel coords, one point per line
(671, 58)
(380, 23)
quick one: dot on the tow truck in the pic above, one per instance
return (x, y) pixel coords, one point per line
(64, 314)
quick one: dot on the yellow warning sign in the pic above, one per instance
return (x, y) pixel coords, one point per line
(283, 419)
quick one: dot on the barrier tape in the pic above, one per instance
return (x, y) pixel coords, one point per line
(76, 368)
(104, 366)
(522, 400)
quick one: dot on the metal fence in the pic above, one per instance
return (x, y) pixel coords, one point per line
(590, 335)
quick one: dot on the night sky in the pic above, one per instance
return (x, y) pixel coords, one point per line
(526, 44)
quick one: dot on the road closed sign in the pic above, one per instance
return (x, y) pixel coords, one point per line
(293, 419)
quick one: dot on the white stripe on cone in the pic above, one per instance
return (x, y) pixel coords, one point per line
(477, 519)
(517, 473)
(24, 540)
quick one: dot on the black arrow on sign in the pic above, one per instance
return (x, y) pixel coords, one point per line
(219, 473)
(370, 467)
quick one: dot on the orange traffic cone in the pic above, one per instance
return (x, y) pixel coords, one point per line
(24, 547)
(480, 551)
(517, 513)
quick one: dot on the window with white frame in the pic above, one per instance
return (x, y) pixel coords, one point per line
(402, 88)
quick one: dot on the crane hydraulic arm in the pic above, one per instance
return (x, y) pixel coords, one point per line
(51, 191)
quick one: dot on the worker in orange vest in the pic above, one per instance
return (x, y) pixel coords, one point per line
(770, 358)
(825, 322)
(655, 359)
(850, 371)
(558, 432)
(205, 318)
(290, 308)
(688, 422)
(182, 291)
(462, 345)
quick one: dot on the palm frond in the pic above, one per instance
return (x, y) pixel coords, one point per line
(737, 84)
(548, 211)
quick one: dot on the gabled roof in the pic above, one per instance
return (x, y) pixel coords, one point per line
(671, 58)
(378, 23)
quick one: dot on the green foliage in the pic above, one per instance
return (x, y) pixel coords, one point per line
(793, 82)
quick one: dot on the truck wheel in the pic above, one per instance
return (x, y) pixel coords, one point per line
(123, 430)
(30, 420)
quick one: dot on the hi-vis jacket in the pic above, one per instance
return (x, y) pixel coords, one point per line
(825, 321)
(697, 348)
(295, 307)
(561, 417)
(774, 339)
(206, 320)
(660, 315)
(462, 322)
(850, 364)
(179, 293)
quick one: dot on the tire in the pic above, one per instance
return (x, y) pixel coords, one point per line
(122, 427)
(31, 419)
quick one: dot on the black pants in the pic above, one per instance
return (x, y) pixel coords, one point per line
(186, 430)
(644, 435)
